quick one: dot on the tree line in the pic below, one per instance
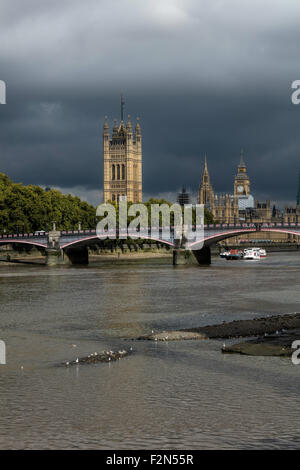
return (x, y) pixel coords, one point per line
(31, 208)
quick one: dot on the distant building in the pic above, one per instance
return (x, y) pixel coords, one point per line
(122, 161)
(224, 207)
(242, 186)
(183, 197)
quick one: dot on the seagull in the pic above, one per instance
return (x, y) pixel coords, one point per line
(152, 331)
(74, 345)
(224, 345)
(67, 363)
(77, 360)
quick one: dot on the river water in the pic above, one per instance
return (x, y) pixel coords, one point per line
(176, 395)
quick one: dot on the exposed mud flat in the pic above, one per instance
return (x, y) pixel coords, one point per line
(254, 327)
(234, 329)
(173, 336)
(94, 358)
(272, 345)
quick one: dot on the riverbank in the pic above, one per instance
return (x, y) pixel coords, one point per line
(93, 258)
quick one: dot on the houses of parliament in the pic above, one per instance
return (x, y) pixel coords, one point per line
(122, 178)
(122, 160)
(241, 207)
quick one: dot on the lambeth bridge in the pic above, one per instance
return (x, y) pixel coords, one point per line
(71, 247)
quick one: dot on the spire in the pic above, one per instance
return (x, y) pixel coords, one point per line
(106, 126)
(242, 163)
(115, 128)
(122, 107)
(129, 125)
(137, 126)
(205, 174)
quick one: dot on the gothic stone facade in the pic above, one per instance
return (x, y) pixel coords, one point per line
(122, 162)
(224, 207)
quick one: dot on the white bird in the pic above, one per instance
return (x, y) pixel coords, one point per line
(67, 363)
(224, 345)
(77, 360)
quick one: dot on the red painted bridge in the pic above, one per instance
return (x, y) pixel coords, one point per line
(72, 244)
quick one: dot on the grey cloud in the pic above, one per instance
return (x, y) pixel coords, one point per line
(205, 77)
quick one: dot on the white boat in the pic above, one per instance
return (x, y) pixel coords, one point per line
(254, 253)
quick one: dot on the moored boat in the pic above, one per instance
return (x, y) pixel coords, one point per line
(234, 254)
(254, 253)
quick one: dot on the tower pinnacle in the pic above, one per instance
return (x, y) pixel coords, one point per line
(122, 107)
(242, 162)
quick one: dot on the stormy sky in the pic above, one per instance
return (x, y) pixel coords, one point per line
(203, 76)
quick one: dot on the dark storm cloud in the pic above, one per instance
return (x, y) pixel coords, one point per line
(205, 77)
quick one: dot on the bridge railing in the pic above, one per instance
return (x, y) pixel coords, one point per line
(161, 229)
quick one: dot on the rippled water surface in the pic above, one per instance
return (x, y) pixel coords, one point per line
(167, 395)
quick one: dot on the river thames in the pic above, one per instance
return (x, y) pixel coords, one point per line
(172, 395)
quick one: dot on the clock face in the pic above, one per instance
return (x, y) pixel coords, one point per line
(240, 189)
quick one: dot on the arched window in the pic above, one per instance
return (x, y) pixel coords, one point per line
(118, 172)
(113, 172)
(123, 172)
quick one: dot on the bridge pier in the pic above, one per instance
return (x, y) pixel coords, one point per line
(191, 257)
(55, 256)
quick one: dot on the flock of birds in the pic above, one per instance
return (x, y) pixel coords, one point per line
(104, 356)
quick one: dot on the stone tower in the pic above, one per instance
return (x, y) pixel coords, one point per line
(122, 161)
(206, 193)
(241, 181)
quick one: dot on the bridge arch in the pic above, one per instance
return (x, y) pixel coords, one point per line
(212, 238)
(22, 242)
(94, 239)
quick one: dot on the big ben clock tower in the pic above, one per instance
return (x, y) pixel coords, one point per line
(241, 181)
